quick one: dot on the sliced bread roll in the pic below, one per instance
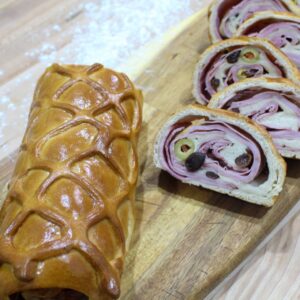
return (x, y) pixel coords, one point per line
(222, 151)
(293, 5)
(225, 16)
(281, 28)
(272, 103)
(236, 59)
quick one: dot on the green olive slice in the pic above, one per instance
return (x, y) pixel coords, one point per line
(241, 74)
(250, 55)
(184, 148)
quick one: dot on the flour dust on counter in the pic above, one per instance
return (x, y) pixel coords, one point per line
(81, 32)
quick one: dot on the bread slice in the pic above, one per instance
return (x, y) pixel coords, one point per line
(236, 12)
(265, 185)
(275, 58)
(267, 91)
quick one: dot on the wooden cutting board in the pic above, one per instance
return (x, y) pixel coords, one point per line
(187, 238)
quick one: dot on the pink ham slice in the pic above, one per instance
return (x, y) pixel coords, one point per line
(215, 162)
(283, 30)
(227, 15)
(275, 108)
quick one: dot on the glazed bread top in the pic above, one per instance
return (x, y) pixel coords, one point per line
(68, 216)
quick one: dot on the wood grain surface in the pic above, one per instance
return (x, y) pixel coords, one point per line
(187, 239)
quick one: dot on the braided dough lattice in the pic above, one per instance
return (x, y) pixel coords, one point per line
(69, 213)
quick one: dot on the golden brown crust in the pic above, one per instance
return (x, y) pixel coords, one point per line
(69, 212)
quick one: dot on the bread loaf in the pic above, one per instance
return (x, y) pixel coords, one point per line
(67, 220)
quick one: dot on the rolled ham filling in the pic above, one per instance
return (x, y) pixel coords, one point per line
(222, 144)
(277, 112)
(284, 35)
(222, 73)
(238, 13)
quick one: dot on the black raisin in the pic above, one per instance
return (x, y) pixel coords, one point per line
(194, 161)
(16, 297)
(235, 109)
(212, 175)
(250, 73)
(233, 57)
(215, 83)
(244, 160)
